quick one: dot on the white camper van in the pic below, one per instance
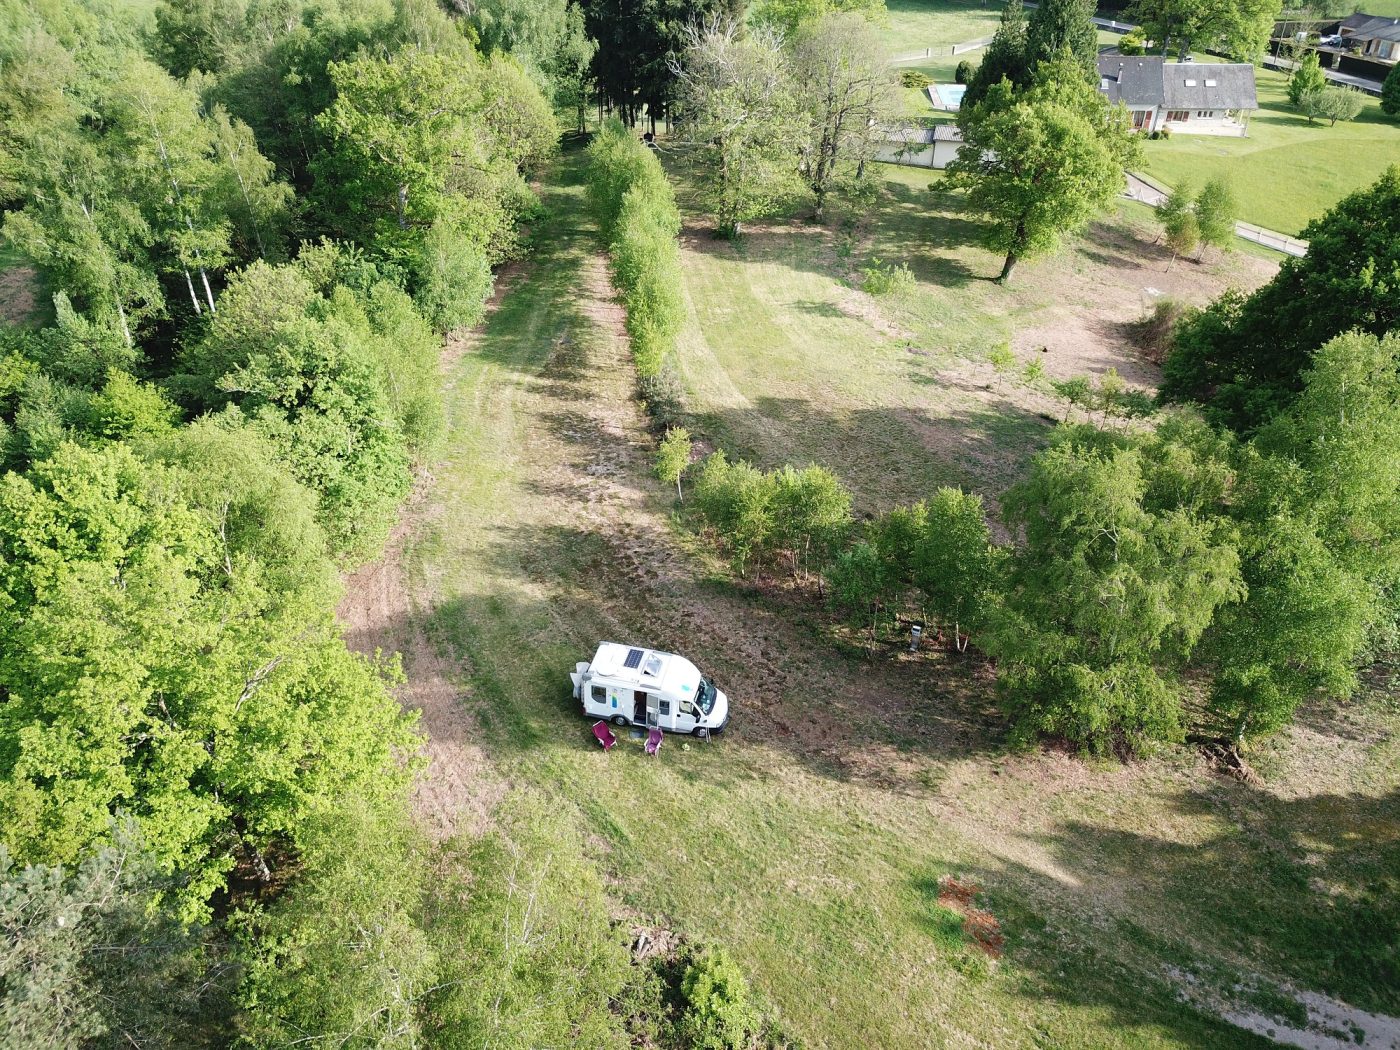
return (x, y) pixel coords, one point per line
(629, 685)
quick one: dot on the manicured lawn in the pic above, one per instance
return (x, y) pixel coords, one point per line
(1286, 172)
(917, 24)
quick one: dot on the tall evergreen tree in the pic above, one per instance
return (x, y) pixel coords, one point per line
(1058, 24)
(1005, 57)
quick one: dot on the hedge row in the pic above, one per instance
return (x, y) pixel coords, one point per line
(640, 221)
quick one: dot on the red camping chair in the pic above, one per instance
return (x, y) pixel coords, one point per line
(654, 738)
(605, 735)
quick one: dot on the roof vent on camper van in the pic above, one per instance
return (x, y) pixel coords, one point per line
(634, 658)
(652, 667)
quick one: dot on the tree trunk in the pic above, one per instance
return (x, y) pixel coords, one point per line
(189, 283)
(208, 295)
(679, 495)
(126, 329)
(1007, 268)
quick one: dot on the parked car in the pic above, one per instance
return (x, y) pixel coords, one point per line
(632, 685)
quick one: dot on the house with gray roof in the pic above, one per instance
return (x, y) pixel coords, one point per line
(1371, 37)
(1194, 98)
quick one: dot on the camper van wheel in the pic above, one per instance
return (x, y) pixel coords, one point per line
(618, 720)
(700, 731)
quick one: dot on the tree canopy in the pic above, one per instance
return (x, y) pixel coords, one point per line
(1244, 356)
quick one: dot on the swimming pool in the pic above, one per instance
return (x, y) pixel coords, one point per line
(946, 96)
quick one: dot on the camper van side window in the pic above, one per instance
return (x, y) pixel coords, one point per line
(686, 708)
(665, 707)
(600, 694)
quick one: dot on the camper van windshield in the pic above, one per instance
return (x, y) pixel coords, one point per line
(705, 695)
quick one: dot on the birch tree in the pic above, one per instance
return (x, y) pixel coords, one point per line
(843, 82)
(739, 120)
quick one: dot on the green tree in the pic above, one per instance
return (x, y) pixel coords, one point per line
(400, 124)
(1245, 355)
(528, 954)
(147, 665)
(1240, 28)
(736, 500)
(1306, 79)
(1216, 211)
(811, 513)
(87, 952)
(454, 277)
(1390, 92)
(1318, 504)
(956, 565)
(789, 17)
(673, 457)
(1134, 42)
(1006, 57)
(1059, 25)
(169, 161)
(1039, 166)
(1334, 103)
(342, 957)
(860, 585)
(1178, 218)
(636, 46)
(842, 79)
(737, 113)
(1104, 600)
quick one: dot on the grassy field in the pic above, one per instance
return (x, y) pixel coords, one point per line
(1286, 172)
(811, 838)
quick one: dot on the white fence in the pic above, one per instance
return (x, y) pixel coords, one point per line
(1269, 239)
(944, 51)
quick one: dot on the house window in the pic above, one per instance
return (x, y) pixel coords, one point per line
(1140, 117)
(1179, 115)
(1206, 113)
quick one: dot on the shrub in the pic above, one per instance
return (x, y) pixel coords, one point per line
(1153, 334)
(963, 74)
(673, 456)
(452, 277)
(1133, 43)
(736, 500)
(638, 213)
(894, 279)
(719, 1012)
(912, 78)
(663, 396)
(1390, 93)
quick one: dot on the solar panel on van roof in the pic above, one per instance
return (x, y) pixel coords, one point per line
(634, 658)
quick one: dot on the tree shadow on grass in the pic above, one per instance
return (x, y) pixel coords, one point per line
(1298, 891)
(841, 716)
(886, 455)
(1304, 890)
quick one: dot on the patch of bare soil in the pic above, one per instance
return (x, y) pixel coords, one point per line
(18, 299)
(980, 925)
(1331, 1024)
(459, 787)
(1109, 283)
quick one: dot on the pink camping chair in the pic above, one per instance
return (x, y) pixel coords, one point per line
(605, 735)
(654, 738)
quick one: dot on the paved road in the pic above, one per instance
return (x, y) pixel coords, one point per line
(1155, 194)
